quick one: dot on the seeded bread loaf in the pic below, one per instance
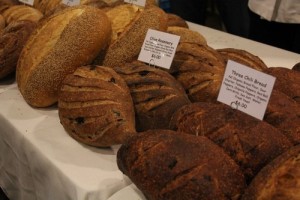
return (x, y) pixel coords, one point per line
(61, 43)
(95, 106)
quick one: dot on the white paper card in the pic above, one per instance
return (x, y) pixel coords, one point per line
(246, 89)
(159, 48)
(141, 3)
(71, 2)
(28, 2)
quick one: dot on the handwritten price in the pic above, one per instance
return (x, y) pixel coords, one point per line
(156, 56)
(237, 104)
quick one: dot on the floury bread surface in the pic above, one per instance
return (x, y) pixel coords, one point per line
(59, 45)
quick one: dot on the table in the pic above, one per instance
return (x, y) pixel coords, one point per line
(39, 160)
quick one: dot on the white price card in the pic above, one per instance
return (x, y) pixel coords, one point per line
(246, 89)
(28, 2)
(71, 2)
(159, 48)
(141, 3)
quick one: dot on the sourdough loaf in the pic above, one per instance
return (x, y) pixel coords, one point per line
(250, 142)
(95, 106)
(155, 93)
(12, 41)
(60, 44)
(165, 165)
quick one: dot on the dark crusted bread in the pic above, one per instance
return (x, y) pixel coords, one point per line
(200, 69)
(287, 81)
(250, 142)
(168, 165)
(176, 20)
(296, 67)
(12, 40)
(243, 57)
(284, 113)
(279, 180)
(155, 93)
(95, 106)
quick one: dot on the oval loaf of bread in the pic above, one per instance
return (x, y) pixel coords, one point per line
(60, 44)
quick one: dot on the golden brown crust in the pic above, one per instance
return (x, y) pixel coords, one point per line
(200, 69)
(21, 12)
(187, 35)
(155, 93)
(279, 180)
(95, 106)
(165, 165)
(12, 40)
(175, 20)
(243, 57)
(59, 45)
(287, 81)
(2, 23)
(250, 142)
(128, 44)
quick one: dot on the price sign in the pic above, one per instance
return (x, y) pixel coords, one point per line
(71, 2)
(141, 3)
(28, 2)
(159, 48)
(246, 89)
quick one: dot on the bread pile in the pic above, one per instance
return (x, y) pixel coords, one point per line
(177, 141)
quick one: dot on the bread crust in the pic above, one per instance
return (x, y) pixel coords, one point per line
(59, 45)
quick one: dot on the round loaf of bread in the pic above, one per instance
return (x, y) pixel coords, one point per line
(95, 106)
(59, 45)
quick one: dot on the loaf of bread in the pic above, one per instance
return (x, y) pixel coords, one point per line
(176, 20)
(284, 113)
(250, 142)
(168, 165)
(278, 180)
(200, 69)
(287, 81)
(243, 57)
(187, 35)
(95, 107)
(155, 93)
(130, 24)
(61, 43)
(12, 41)
(21, 12)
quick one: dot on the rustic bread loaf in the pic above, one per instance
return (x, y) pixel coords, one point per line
(243, 57)
(284, 113)
(12, 40)
(279, 180)
(250, 142)
(155, 93)
(165, 165)
(187, 35)
(130, 24)
(287, 81)
(200, 69)
(60, 44)
(95, 106)
(21, 12)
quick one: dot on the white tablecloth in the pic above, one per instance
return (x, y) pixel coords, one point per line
(39, 160)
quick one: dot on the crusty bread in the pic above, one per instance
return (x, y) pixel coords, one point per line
(12, 40)
(156, 94)
(168, 165)
(287, 81)
(187, 35)
(250, 142)
(296, 67)
(279, 180)
(21, 12)
(176, 20)
(200, 69)
(95, 106)
(243, 57)
(2, 22)
(130, 24)
(59, 45)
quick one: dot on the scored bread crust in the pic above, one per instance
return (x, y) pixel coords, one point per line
(59, 45)
(128, 45)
